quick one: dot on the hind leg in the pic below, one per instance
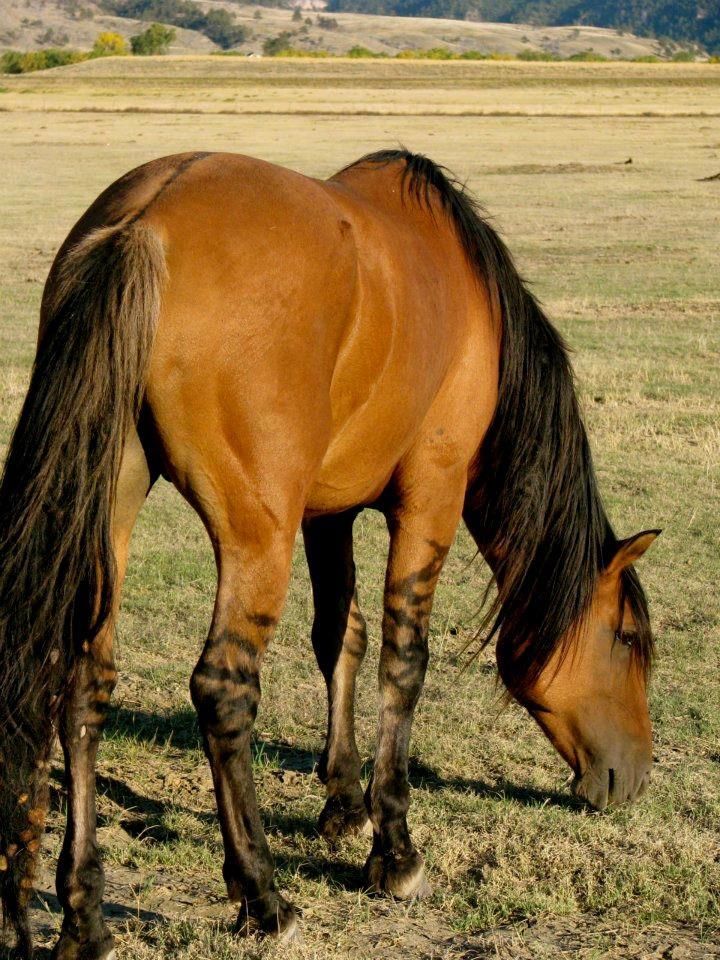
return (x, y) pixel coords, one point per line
(339, 638)
(80, 879)
(225, 688)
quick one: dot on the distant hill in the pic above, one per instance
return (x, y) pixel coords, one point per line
(694, 21)
(214, 25)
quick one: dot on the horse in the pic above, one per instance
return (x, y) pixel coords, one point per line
(288, 352)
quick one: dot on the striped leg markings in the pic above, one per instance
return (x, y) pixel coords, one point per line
(225, 689)
(80, 876)
(394, 865)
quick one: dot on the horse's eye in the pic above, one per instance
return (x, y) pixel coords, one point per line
(625, 638)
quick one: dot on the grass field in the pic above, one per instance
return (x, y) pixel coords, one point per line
(625, 257)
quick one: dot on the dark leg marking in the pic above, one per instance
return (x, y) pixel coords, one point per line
(225, 689)
(394, 865)
(80, 878)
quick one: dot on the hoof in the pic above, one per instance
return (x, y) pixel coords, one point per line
(68, 948)
(340, 820)
(291, 933)
(402, 877)
(274, 917)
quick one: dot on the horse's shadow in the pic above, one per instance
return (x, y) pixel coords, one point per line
(146, 816)
(180, 730)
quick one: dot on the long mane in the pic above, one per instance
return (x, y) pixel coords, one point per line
(532, 504)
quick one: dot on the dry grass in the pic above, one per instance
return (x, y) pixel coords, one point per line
(231, 85)
(625, 257)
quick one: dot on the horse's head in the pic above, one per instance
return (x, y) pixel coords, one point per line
(591, 699)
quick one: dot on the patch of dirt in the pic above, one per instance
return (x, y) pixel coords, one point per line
(583, 937)
(394, 931)
(130, 895)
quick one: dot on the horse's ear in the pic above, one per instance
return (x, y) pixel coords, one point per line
(630, 550)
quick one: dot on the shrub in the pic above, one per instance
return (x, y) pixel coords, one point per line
(327, 23)
(12, 61)
(587, 56)
(52, 57)
(156, 39)
(297, 15)
(432, 53)
(109, 44)
(683, 56)
(274, 46)
(536, 55)
(297, 52)
(358, 52)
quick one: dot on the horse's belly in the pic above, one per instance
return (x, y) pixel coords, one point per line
(358, 465)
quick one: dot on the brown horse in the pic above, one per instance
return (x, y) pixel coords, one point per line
(288, 352)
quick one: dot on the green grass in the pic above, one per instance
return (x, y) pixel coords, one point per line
(625, 259)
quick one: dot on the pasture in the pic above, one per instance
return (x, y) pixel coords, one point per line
(625, 257)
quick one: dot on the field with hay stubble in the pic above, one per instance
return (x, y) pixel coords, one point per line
(625, 257)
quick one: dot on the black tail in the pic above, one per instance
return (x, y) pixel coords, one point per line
(57, 566)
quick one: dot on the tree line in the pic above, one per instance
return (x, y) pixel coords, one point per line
(694, 21)
(218, 24)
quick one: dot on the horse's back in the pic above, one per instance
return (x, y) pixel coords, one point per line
(306, 327)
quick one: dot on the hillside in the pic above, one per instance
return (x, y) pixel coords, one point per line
(32, 24)
(689, 21)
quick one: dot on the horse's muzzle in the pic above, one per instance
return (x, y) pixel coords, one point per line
(611, 786)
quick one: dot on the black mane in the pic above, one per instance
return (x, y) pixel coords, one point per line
(532, 504)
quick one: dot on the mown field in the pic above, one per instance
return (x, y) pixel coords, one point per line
(625, 257)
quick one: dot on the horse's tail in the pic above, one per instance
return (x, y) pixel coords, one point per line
(57, 567)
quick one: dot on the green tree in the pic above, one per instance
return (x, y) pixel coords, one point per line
(220, 27)
(279, 44)
(218, 24)
(110, 44)
(156, 39)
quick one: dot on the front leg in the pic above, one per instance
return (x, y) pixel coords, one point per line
(418, 548)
